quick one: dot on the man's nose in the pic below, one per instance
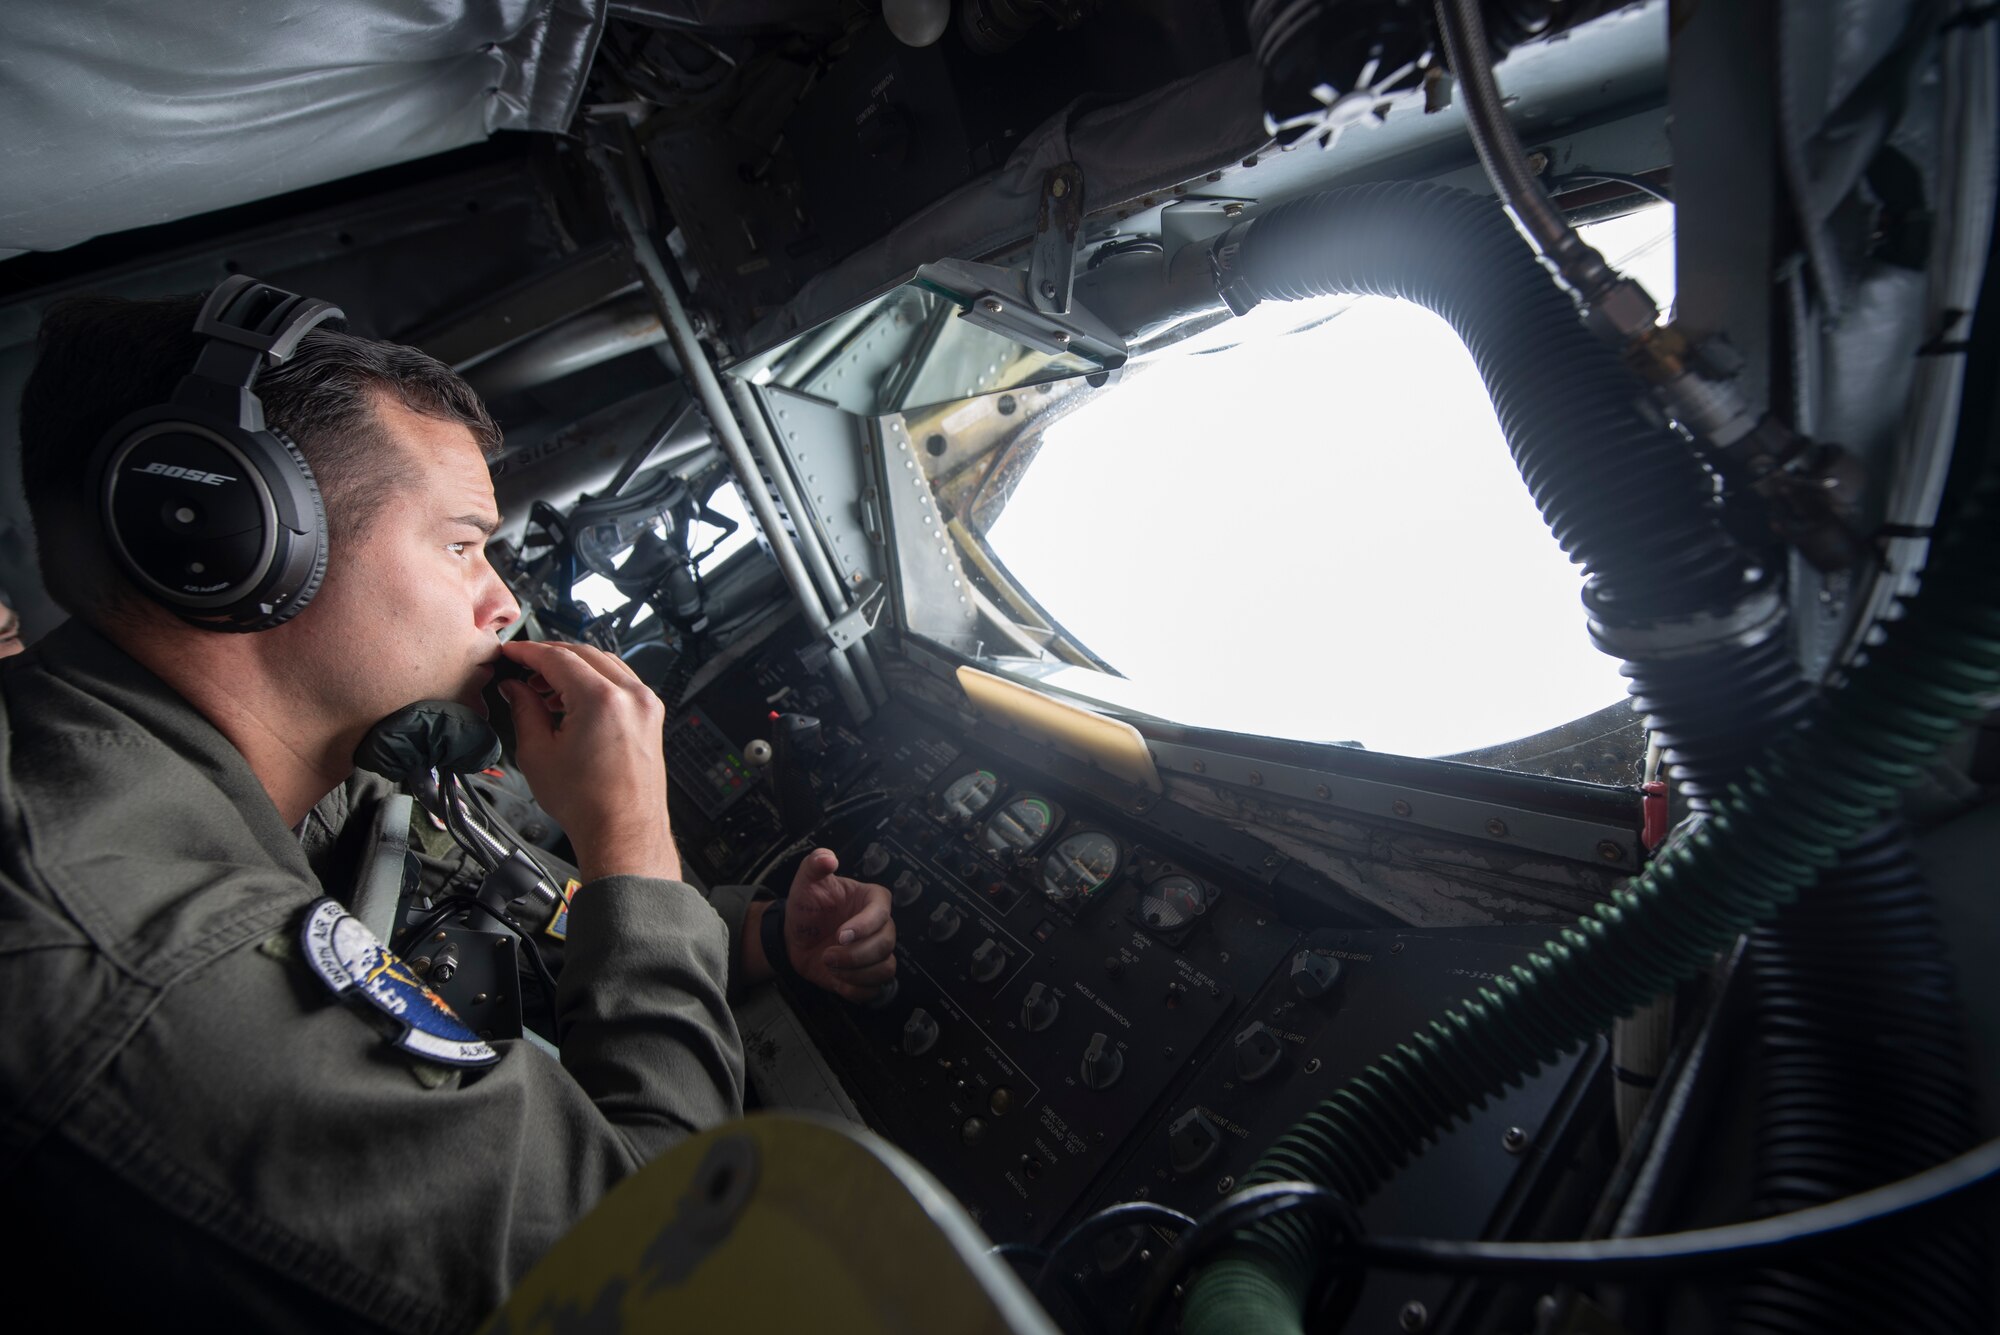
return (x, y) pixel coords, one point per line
(498, 608)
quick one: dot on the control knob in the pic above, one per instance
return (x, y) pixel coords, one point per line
(920, 1032)
(1192, 1141)
(907, 889)
(874, 859)
(988, 960)
(1259, 1052)
(945, 922)
(1038, 1008)
(1103, 1063)
(1314, 973)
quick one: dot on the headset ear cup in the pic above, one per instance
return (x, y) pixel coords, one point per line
(315, 534)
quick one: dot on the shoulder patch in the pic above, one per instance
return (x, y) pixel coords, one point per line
(349, 958)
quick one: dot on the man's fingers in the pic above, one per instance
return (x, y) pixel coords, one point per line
(874, 916)
(533, 719)
(868, 950)
(875, 975)
(615, 669)
(563, 666)
(819, 863)
(858, 992)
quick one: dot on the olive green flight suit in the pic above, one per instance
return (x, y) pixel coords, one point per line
(194, 1130)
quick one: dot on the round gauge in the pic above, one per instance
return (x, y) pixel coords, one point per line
(970, 794)
(1172, 902)
(1021, 825)
(1077, 866)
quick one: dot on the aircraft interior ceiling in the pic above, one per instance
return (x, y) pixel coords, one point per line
(802, 320)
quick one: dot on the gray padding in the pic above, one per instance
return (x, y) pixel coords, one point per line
(125, 113)
(380, 888)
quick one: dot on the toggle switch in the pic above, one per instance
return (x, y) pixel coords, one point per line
(945, 921)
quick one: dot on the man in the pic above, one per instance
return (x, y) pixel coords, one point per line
(191, 1122)
(10, 631)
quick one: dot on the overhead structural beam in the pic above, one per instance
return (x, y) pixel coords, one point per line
(700, 374)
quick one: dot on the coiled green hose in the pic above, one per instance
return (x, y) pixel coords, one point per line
(1813, 794)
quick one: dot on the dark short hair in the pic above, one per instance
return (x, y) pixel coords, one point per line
(100, 358)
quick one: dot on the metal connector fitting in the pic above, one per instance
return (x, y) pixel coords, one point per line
(1623, 313)
(1753, 618)
(1714, 411)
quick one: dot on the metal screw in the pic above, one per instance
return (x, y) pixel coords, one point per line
(1496, 827)
(1515, 1140)
(1400, 807)
(1312, 1066)
(439, 937)
(1322, 792)
(991, 305)
(1061, 337)
(1414, 1316)
(1609, 850)
(1538, 163)
(1256, 779)
(480, 1000)
(1059, 187)
(1396, 949)
(1225, 1186)
(1200, 768)
(1232, 210)
(1048, 288)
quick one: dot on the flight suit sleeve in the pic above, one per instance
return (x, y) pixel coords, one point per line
(642, 1005)
(334, 1170)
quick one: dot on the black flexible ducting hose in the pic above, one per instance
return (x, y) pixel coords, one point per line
(1860, 1062)
(1621, 492)
(1698, 625)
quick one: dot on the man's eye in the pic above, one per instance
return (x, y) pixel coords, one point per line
(457, 548)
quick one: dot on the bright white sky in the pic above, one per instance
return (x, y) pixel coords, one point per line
(1320, 535)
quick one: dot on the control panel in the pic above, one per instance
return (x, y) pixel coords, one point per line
(1037, 1014)
(1092, 1006)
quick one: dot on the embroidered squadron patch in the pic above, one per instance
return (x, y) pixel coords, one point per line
(350, 958)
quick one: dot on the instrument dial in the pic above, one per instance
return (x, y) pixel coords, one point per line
(1078, 866)
(1020, 825)
(970, 794)
(1172, 902)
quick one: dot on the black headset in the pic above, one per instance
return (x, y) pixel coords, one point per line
(212, 512)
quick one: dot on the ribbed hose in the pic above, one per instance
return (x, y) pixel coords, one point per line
(1861, 1060)
(1814, 793)
(1620, 495)
(1619, 491)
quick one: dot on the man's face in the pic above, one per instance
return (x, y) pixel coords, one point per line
(410, 609)
(10, 632)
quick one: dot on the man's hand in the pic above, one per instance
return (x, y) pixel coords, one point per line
(589, 741)
(838, 931)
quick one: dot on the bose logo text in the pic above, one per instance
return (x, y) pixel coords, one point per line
(186, 474)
